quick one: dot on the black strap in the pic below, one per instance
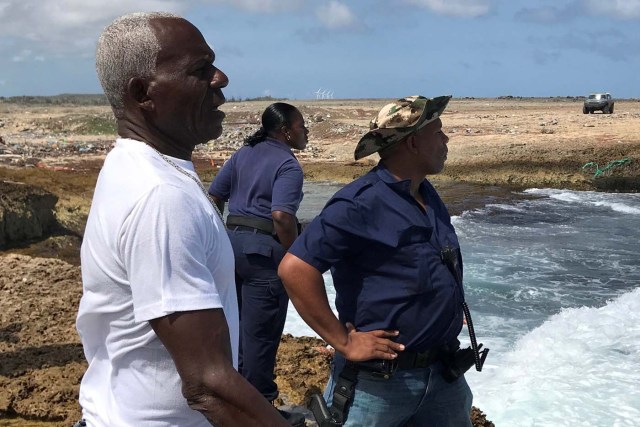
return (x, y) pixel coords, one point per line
(343, 392)
(479, 356)
(451, 258)
(251, 221)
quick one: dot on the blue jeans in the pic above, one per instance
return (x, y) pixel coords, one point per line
(263, 304)
(412, 398)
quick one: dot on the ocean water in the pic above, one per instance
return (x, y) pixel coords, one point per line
(553, 282)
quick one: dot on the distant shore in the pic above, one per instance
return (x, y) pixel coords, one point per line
(100, 99)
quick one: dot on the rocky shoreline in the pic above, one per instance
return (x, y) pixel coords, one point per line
(49, 160)
(41, 358)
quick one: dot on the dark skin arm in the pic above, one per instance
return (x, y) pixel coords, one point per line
(218, 202)
(199, 344)
(306, 290)
(286, 227)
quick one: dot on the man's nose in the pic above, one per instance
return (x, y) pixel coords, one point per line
(219, 79)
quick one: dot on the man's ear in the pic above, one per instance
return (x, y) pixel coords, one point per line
(412, 143)
(138, 92)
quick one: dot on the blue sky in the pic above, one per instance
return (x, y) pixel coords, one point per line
(355, 49)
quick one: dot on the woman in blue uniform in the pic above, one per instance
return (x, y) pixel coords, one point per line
(262, 183)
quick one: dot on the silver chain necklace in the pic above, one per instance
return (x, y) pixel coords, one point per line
(193, 178)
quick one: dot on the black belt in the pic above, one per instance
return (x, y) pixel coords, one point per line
(406, 360)
(413, 359)
(247, 228)
(250, 221)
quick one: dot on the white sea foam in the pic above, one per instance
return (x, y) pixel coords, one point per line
(631, 204)
(579, 368)
(619, 207)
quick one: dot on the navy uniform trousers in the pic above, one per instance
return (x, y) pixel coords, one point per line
(263, 305)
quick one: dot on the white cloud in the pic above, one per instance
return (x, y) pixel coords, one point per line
(336, 15)
(59, 27)
(463, 8)
(262, 6)
(22, 56)
(621, 9)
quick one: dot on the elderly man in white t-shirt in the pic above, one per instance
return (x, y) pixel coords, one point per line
(158, 317)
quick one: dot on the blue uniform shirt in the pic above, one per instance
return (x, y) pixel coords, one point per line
(259, 180)
(384, 253)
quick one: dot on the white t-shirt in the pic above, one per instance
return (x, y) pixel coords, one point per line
(153, 245)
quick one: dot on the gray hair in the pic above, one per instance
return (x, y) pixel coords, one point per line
(127, 48)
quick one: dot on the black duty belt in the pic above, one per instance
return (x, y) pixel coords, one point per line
(406, 360)
(247, 228)
(412, 359)
(250, 222)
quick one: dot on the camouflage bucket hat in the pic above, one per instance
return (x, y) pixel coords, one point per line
(397, 120)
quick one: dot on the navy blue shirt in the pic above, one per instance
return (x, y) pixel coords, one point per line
(384, 249)
(259, 180)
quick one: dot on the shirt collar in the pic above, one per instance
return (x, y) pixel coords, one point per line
(383, 173)
(403, 185)
(278, 144)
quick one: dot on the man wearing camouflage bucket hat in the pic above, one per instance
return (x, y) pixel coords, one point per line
(398, 120)
(396, 266)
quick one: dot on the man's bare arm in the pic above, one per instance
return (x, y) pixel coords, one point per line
(306, 290)
(199, 344)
